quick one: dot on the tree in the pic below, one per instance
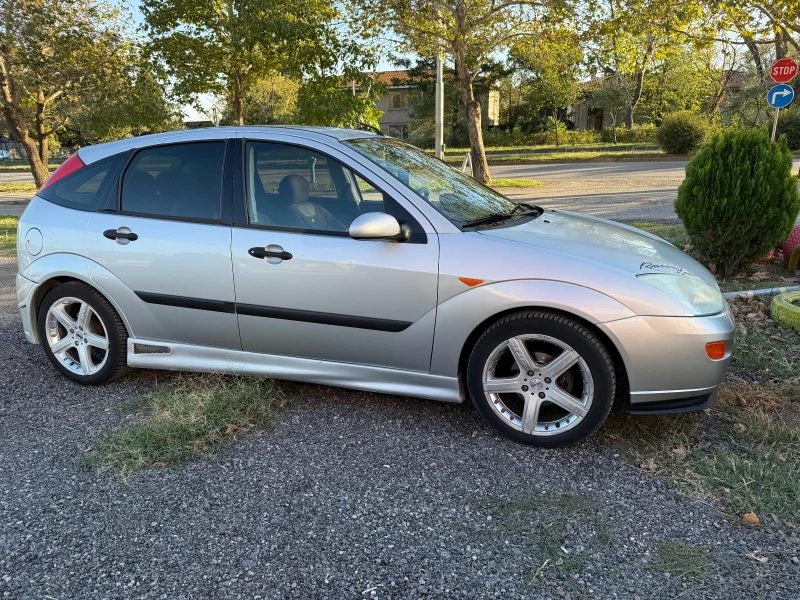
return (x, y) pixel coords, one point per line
(224, 46)
(471, 32)
(43, 47)
(324, 100)
(628, 35)
(268, 101)
(550, 69)
(128, 100)
(611, 94)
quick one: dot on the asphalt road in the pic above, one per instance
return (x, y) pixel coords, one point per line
(354, 495)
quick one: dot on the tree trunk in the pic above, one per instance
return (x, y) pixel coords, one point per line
(238, 93)
(755, 54)
(781, 47)
(480, 167)
(637, 95)
(637, 92)
(555, 122)
(15, 121)
(41, 135)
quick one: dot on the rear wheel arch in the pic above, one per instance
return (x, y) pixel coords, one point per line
(480, 329)
(58, 280)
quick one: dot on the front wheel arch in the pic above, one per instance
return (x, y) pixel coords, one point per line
(474, 336)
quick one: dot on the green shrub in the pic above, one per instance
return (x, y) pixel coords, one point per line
(739, 199)
(682, 132)
(643, 134)
(789, 125)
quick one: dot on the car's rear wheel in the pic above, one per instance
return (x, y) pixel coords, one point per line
(82, 334)
(541, 378)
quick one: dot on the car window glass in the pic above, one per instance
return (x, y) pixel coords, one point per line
(297, 188)
(180, 181)
(85, 188)
(455, 195)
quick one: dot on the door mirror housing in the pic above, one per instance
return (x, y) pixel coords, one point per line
(377, 226)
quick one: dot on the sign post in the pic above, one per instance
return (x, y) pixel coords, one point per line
(781, 95)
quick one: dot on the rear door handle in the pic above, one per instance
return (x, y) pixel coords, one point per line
(264, 253)
(121, 233)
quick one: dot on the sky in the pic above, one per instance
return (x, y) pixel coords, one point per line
(206, 101)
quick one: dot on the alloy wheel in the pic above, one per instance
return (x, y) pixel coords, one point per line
(538, 384)
(77, 336)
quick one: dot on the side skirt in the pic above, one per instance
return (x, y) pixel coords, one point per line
(152, 354)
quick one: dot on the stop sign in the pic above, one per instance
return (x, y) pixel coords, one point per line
(783, 71)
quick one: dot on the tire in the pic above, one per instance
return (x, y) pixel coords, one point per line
(552, 341)
(74, 323)
(784, 311)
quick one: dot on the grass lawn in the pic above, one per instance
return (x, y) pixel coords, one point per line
(499, 182)
(186, 418)
(17, 186)
(562, 148)
(582, 156)
(22, 165)
(8, 235)
(743, 454)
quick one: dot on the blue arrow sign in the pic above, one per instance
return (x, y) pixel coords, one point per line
(780, 96)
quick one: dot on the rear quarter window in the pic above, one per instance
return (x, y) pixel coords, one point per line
(85, 188)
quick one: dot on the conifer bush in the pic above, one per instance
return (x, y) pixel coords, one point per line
(789, 125)
(739, 199)
(682, 132)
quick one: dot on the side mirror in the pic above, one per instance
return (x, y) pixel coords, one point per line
(377, 226)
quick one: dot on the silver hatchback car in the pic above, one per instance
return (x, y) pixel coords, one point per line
(347, 258)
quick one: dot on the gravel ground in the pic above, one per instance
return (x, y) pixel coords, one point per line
(353, 495)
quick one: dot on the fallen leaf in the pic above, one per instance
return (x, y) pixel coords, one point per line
(739, 400)
(761, 559)
(775, 518)
(741, 329)
(750, 519)
(474, 434)
(740, 427)
(231, 429)
(781, 458)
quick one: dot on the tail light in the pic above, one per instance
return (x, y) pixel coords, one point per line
(72, 164)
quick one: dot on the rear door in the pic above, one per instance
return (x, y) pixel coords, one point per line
(167, 240)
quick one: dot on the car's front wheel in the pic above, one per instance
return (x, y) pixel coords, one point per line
(82, 334)
(541, 378)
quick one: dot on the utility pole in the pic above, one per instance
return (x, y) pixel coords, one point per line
(439, 108)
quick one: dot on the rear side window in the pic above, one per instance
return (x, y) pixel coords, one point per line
(181, 181)
(85, 188)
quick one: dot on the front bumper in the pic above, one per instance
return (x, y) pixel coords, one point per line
(25, 295)
(666, 362)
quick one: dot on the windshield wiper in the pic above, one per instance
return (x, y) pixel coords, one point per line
(496, 217)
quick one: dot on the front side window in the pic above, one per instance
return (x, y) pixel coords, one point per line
(457, 196)
(290, 187)
(181, 181)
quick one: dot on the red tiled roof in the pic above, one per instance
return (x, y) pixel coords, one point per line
(389, 78)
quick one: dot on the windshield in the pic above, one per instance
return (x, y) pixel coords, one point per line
(457, 196)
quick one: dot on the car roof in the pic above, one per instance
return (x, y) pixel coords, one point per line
(89, 154)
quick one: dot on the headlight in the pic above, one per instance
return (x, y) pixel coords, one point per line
(691, 291)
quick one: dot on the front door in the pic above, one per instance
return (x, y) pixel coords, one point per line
(323, 295)
(168, 246)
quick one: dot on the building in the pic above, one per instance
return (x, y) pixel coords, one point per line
(396, 107)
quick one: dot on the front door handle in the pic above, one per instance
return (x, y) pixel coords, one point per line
(122, 235)
(264, 253)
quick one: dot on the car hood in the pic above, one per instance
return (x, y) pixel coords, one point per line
(604, 242)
